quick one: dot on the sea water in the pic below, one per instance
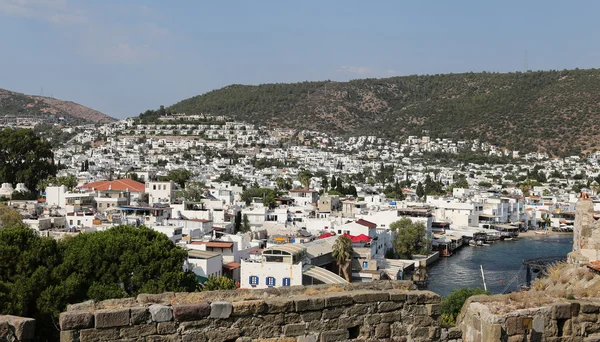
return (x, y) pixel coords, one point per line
(501, 262)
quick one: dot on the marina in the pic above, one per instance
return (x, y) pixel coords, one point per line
(501, 261)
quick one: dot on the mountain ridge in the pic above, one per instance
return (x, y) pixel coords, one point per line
(545, 111)
(19, 104)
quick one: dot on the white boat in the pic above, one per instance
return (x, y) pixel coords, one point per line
(541, 232)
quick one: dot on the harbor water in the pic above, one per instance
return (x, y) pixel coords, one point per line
(501, 261)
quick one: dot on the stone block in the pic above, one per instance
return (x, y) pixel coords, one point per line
(415, 310)
(422, 297)
(220, 309)
(118, 303)
(332, 313)
(575, 307)
(93, 335)
(191, 312)
(338, 299)
(514, 326)
(294, 329)
(397, 296)
(390, 317)
(279, 305)
(349, 322)
(161, 298)
(248, 307)
(139, 315)
(160, 313)
(420, 333)
(357, 309)
(422, 321)
(369, 296)
(334, 335)
(171, 338)
(66, 336)
(111, 318)
(292, 317)
(305, 303)
(138, 330)
(589, 308)
(491, 332)
(223, 334)
(434, 309)
(435, 332)
(73, 320)
(268, 331)
(185, 327)
(372, 319)
(22, 327)
(383, 330)
(389, 306)
(307, 338)
(311, 316)
(399, 330)
(561, 311)
(454, 333)
(277, 319)
(88, 305)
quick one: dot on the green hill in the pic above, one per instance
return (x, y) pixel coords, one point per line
(552, 111)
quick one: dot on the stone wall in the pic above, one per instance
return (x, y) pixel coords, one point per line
(15, 329)
(586, 234)
(575, 320)
(385, 310)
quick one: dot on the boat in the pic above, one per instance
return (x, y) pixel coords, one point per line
(541, 232)
(508, 239)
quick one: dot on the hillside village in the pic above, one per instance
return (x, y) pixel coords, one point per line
(260, 206)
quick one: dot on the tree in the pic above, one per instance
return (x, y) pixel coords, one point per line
(24, 158)
(267, 195)
(410, 237)
(342, 253)
(237, 223)
(385, 174)
(218, 283)
(304, 177)
(420, 190)
(324, 183)
(9, 217)
(339, 186)
(333, 182)
(193, 192)
(69, 181)
(453, 303)
(546, 220)
(245, 224)
(179, 176)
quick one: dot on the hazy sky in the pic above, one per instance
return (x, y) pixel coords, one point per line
(124, 56)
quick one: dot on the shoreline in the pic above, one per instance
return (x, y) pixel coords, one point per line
(531, 233)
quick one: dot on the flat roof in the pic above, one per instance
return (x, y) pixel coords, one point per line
(232, 265)
(194, 253)
(290, 248)
(214, 244)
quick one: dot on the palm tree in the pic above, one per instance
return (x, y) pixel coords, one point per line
(304, 177)
(342, 252)
(546, 220)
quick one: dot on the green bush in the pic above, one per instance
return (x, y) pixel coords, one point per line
(453, 303)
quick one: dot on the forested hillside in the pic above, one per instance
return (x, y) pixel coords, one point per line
(553, 111)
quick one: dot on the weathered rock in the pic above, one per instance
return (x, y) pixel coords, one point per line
(305, 303)
(138, 330)
(369, 296)
(248, 307)
(111, 318)
(23, 328)
(383, 330)
(72, 320)
(561, 311)
(161, 298)
(220, 309)
(66, 336)
(88, 305)
(89, 335)
(279, 305)
(191, 312)
(334, 335)
(294, 329)
(139, 315)
(160, 313)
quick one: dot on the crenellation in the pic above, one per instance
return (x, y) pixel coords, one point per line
(372, 312)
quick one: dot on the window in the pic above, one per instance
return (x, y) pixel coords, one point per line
(365, 264)
(287, 282)
(270, 281)
(253, 280)
(154, 187)
(339, 231)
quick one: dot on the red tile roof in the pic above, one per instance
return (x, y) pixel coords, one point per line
(116, 185)
(232, 265)
(366, 223)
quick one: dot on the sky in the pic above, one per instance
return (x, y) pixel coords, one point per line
(122, 57)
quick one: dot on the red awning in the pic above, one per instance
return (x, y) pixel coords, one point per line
(361, 238)
(326, 235)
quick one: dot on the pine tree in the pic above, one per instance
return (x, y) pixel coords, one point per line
(420, 190)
